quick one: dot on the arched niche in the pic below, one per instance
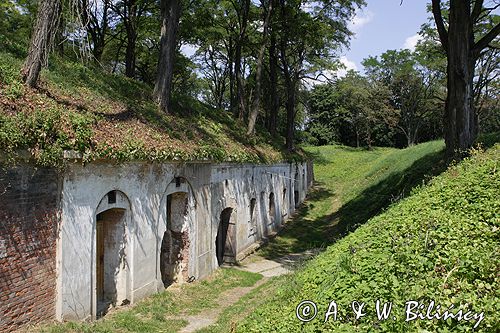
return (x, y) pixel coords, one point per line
(111, 271)
(173, 245)
(272, 209)
(296, 193)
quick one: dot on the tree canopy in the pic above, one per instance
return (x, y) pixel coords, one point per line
(260, 61)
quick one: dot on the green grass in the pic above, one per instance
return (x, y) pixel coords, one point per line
(162, 312)
(353, 185)
(440, 243)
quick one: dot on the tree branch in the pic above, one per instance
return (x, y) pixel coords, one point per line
(438, 17)
(478, 5)
(483, 42)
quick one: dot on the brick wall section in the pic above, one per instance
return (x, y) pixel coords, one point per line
(29, 218)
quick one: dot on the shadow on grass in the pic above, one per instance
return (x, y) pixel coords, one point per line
(376, 198)
(302, 233)
(317, 157)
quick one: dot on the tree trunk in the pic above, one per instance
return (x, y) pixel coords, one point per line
(130, 56)
(239, 110)
(41, 40)
(171, 10)
(273, 77)
(290, 86)
(460, 121)
(240, 94)
(230, 62)
(131, 28)
(254, 112)
(101, 32)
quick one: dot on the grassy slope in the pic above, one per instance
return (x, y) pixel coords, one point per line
(103, 115)
(352, 186)
(439, 244)
(161, 312)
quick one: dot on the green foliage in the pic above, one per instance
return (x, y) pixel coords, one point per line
(75, 102)
(10, 80)
(362, 183)
(15, 24)
(439, 244)
(46, 134)
(350, 111)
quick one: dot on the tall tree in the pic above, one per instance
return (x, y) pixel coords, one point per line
(132, 14)
(309, 35)
(170, 12)
(412, 88)
(95, 19)
(41, 40)
(252, 117)
(242, 8)
(274, 104)
(462, 51)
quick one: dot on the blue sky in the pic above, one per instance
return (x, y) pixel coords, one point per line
(384, 25)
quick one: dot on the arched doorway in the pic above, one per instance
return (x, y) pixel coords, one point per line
(111, 248)
(174, 251)
(225, 247)
(296, 193)
(272, 209)
(284, 204)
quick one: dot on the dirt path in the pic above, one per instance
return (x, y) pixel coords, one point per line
(256, 264)
(226, 299)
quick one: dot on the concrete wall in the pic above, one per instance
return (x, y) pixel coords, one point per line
(48, 228)
(209, 189)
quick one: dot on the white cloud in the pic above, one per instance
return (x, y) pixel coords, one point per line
(330, 75)
(359, 20)
(411, 42)
(188, 49)
(348, 64)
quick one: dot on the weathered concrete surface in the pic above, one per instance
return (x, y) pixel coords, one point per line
(163, 233)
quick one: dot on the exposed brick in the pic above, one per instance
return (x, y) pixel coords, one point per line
(29, 215)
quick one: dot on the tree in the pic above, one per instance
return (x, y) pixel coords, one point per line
(308, 38)
(258, 75)
(242, 8)
(132, 14)
(349, 111)
(95, 19)
(462, 51)
(171, 10)
(412, 89)
(41, 40)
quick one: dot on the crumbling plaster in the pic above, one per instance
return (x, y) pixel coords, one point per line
(210, 188)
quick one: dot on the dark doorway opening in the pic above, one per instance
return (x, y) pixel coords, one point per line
(272, 209)
(224, 242)
(111, 274)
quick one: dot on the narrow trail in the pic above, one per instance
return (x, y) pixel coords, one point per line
(255, 264)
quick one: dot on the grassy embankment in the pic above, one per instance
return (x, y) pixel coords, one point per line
(108, 116)
(440, 244)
